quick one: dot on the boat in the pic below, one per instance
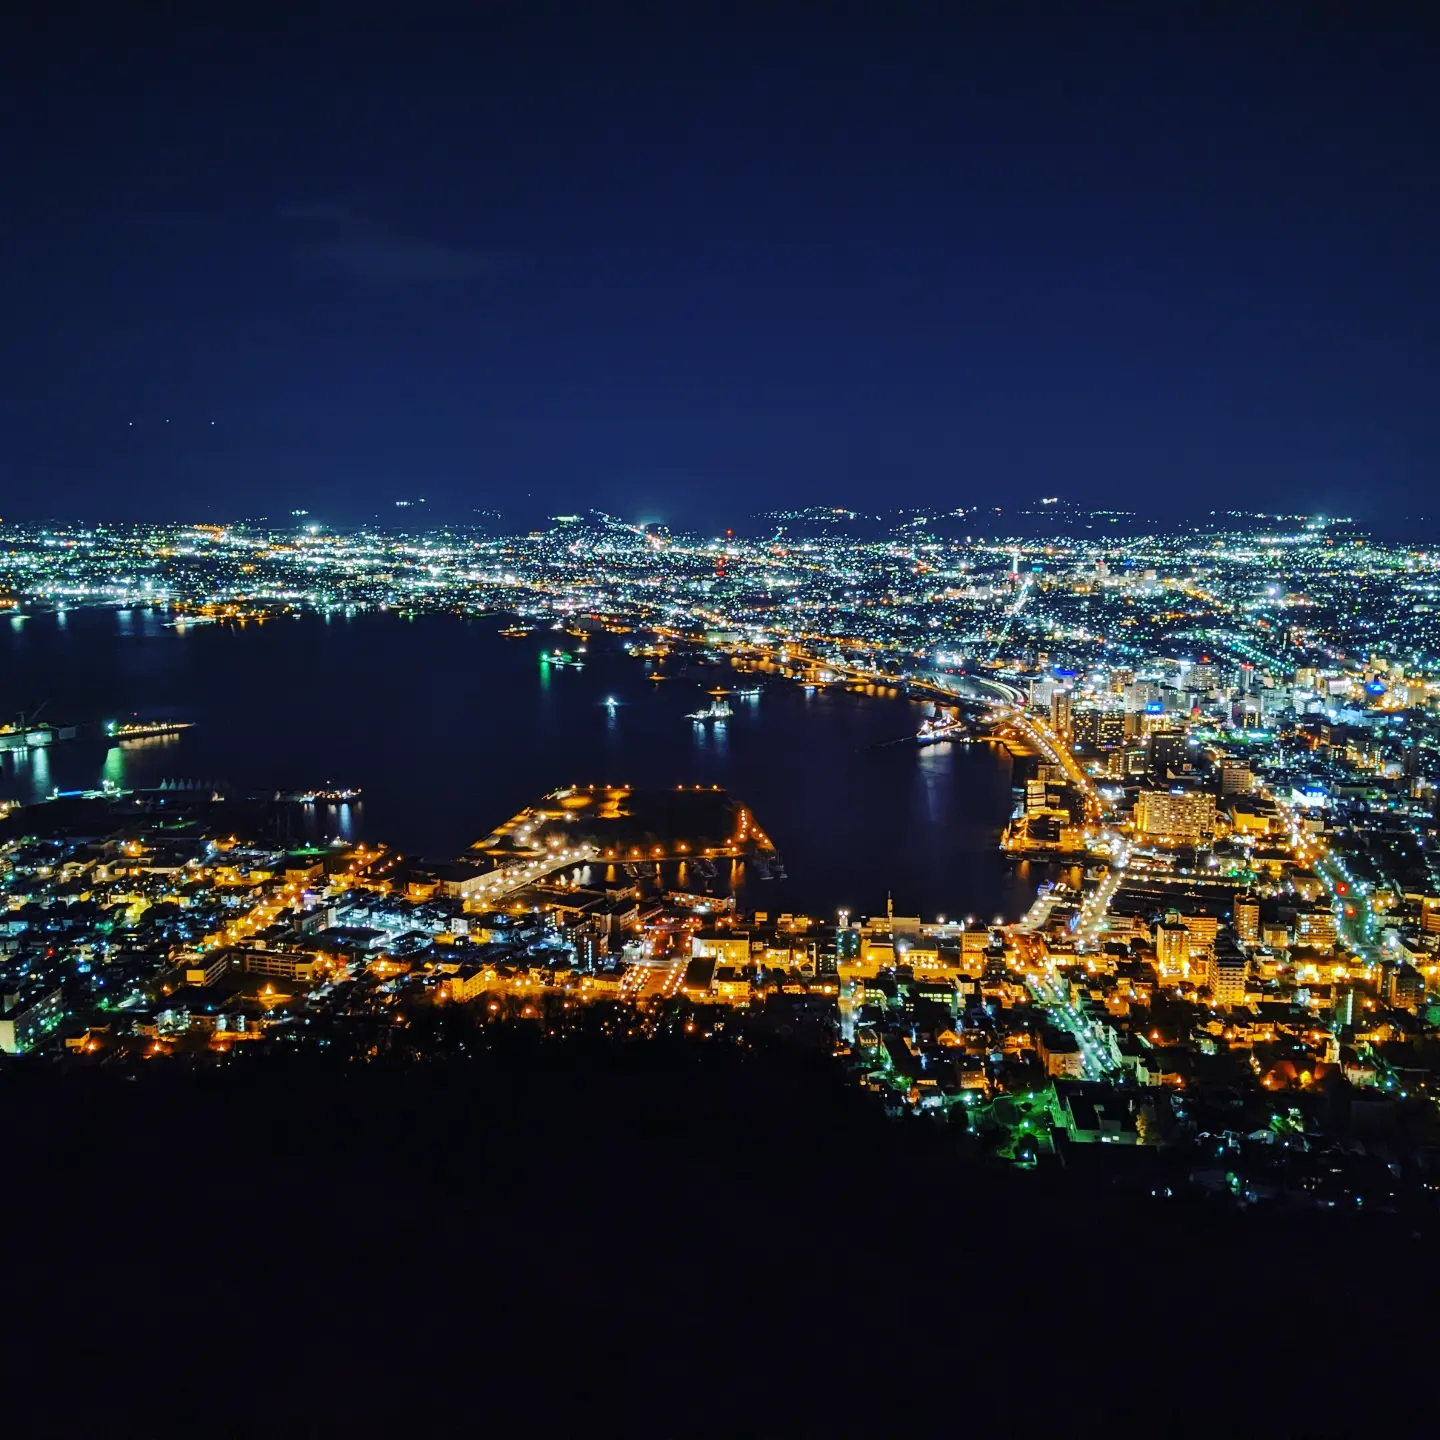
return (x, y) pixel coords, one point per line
(514, 632)
(719, 710)
(940, 728)
(753, 693)
(561, 658)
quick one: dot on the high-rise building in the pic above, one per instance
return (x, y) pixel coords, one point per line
(1169, 753)
(1404, 986)
(1275, 936)
(1060, 708)
(1247, 919)
(1085, 725)
(1236, 778)
(1040, 693)
(1140, 693)
(1348, 1003)
(24, 1018)
(1229, 970)
(1184, 816)
(1202, 930)
(1097, 729)
(1315, 926)
(1172, 948)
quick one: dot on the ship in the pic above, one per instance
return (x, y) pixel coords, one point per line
(719, 710)
(753, 693)
(767, 865)
(327, 796)
(109, 790)
(514, 632)
(143, 729)
(15, 737)
(940, 728)
(561, 658)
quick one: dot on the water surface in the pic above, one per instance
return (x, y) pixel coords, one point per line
(449, 728)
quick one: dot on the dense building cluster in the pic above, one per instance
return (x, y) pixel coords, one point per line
(1081, 588)
(1226, 745)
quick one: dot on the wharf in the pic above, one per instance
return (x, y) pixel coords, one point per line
(629, 826)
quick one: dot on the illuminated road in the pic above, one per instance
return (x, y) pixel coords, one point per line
(502, 882)
(1037, 917)
(1042, 738)
(1026, 585)
(1350, 900)
(1053, 997)
(1094, 917)
(654, 979)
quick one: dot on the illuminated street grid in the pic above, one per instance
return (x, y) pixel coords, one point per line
(1227, 761)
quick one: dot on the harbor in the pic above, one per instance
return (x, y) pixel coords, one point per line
(31, 734)
(841, 800)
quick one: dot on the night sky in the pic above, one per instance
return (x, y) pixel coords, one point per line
(852, 254)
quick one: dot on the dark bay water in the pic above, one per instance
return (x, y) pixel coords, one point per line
(450, 728)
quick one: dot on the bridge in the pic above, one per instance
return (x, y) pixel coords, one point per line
(530, 870)
(938, 683)
(951, 685)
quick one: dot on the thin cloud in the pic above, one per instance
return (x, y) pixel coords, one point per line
(370, 250)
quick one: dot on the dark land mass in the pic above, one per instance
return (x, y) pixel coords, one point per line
(645, 1238)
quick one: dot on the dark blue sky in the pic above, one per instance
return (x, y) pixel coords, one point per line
(865, 254)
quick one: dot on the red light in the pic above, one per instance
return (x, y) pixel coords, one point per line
(1342, 888)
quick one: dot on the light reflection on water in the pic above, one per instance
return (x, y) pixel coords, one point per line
(450, 729)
